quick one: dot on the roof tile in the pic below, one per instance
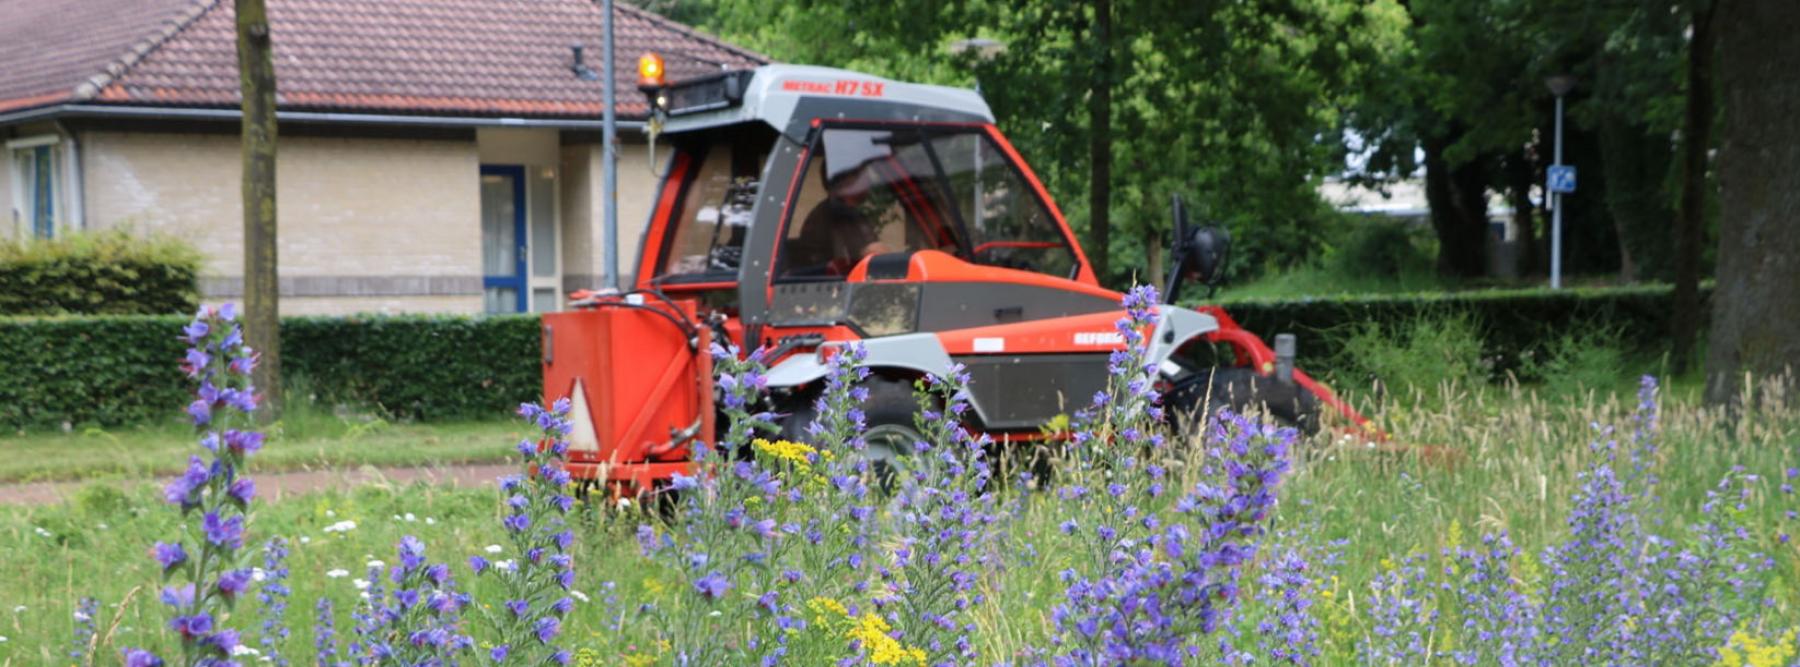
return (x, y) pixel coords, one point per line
(474, 57)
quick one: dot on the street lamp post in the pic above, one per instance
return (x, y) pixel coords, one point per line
(1559, 86)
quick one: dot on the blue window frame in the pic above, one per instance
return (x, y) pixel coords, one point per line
(503, 240)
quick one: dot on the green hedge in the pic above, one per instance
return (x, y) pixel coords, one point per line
(1512, 322)
(114, 370)
(425, 367)
(109, 273)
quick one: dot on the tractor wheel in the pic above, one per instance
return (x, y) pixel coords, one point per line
(888, 429)
(1242, 390)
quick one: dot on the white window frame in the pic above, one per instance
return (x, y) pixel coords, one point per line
(24, 195)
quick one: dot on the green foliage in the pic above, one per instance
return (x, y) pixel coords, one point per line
(1381, 250)
(1225, 103)
(107, 369)
(1419, 353)
(113, 273)
(423, 367)
(115, 370)
(1517, 328)
(1584, 358)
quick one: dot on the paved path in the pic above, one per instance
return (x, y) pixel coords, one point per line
(276, 485)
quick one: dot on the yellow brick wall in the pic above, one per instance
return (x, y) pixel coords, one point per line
(347, 206)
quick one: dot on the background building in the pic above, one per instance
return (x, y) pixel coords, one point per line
(435, 156)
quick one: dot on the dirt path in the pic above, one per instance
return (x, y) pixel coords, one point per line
(278, 484)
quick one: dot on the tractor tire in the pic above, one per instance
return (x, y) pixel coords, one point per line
(1241, 390)
(888, 428)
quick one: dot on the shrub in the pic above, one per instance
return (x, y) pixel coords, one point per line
(417, 366)
(116, 369)
(109, 370)
(1513, 325)
(112, 272)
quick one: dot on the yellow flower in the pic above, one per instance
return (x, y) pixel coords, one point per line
(795, 453)
(872, 632)
(1746, 650)
(654, 585)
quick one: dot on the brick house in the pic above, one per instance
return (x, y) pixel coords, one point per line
(435, 155)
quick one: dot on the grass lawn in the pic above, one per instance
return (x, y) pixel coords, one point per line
(1510, 463)
(302, 440)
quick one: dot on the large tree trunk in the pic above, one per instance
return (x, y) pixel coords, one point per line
(1690, 224)
(1458, 199)
(1100, 144)
(262, 292)
(1756, 309)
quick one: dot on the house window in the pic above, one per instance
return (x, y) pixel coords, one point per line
(35, 185)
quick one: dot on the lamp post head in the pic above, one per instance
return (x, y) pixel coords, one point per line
(1560, 84)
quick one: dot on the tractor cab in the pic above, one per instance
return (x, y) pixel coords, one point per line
(788, 183)
(802, 208)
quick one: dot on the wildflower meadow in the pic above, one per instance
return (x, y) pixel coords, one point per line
(1507, 529)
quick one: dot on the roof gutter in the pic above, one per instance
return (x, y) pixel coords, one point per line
(190, 113)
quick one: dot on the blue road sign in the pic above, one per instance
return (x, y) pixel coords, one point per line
(1562, 178)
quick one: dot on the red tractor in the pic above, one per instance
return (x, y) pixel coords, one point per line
(805, 207)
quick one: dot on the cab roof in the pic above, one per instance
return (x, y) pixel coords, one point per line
(789, 97)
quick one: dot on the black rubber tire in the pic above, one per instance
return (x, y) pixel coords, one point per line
(1242, 390)
(887, 416)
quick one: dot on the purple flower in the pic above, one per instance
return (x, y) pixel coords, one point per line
(136, 657)
(228, 533)
(228, 311)
(516, 523)
(195, 330)
(169, 555)
(233, 582)
(242, 490)
(243, 442)
(223, 640)
(192, 627)
(517, 607)
(546, 629)
(712, 586)
(498, 653)
(185, 490)
(563, 606)
(178, 596)
(478, 564)
(201, 411)
(412, 553)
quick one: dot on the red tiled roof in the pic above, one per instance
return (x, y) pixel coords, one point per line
(49, 48)
(443, 57)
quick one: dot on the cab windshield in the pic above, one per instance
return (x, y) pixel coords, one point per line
(869, 191)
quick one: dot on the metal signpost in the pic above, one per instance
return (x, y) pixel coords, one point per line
(1561, 180)
(609, 180)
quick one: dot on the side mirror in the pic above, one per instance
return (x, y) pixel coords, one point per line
(1199, 254)
(1207, 249)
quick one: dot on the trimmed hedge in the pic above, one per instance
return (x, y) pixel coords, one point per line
(113, 370)
(424, 367)
(1512, 321)
(103, 273)
(110, 369)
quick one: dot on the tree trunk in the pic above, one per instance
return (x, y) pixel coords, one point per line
(1690, 224)
(262, 292)
(1756, 309)
(1100, 145)
(1635, 164)
(1457, 196)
